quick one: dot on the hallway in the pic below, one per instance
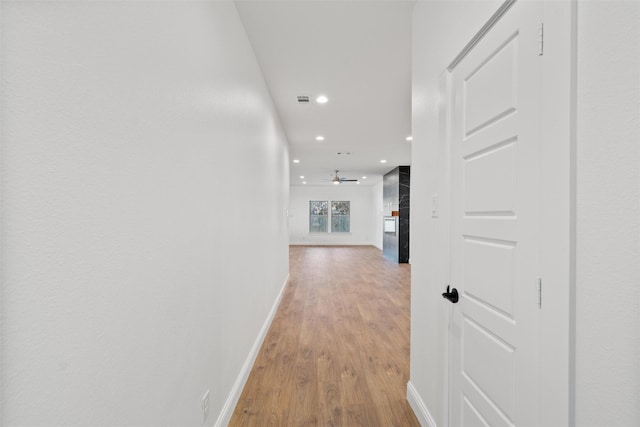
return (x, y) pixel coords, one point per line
(337, 352)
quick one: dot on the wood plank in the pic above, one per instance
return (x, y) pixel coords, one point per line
(337, 352)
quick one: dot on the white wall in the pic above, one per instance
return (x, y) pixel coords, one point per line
(440, 31)
(607, 377)
(608, 215)
(378, 205)
(143, 169)
(362, 219)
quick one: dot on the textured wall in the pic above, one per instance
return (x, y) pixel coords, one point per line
(608, 215)
(390, 198)
(404, 211)
(396, 197)
(143, 170)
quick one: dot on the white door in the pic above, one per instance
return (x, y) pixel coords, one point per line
(495, 180)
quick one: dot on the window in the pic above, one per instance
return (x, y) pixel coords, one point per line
(340, 217)
(318, 217)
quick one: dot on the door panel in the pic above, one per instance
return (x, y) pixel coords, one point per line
(471, 416)
(495, 175)
(484, 410)
(490, 180)
(490, 91)
(489, 269)
(484, 354)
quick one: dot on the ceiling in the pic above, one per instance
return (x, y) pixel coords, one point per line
(358, 54)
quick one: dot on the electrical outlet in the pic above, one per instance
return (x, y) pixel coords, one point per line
(205, 406)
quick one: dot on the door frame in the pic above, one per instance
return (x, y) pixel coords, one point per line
(558, 202)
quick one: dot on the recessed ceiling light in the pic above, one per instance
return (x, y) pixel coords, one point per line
(296, 161)
(383, 161)
(409, 138)
(304, 182)
(322, 99)
(364, 177)
(301, 176)
(319, 138)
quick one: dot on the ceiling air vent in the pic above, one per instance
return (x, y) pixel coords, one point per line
(303, 99)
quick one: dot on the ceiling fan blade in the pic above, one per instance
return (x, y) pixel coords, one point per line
(348, 180)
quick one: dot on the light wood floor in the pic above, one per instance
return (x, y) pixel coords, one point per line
(337, 352)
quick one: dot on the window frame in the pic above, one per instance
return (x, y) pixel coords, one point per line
(329, 217)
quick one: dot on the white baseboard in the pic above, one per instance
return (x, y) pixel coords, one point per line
(241, 380)
(419, 407)
(329, 243)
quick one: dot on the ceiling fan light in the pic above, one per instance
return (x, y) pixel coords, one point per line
(336, 182)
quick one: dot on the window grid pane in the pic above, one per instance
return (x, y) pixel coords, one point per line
(318, 216)
(340, 217)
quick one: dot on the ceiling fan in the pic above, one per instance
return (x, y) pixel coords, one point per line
(337, 180)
